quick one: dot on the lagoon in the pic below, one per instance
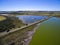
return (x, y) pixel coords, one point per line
(48, 33)
(30, 18)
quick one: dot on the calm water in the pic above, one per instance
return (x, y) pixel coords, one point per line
(30, 19)
(48, 33)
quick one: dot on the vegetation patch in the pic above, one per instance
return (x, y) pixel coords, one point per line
(2, 18)
(10, 23)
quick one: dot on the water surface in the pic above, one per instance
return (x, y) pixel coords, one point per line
(30, 18)
(48, 33)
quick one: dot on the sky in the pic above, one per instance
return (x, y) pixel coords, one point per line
(28, 5)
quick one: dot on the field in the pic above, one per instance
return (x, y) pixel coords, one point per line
(2, 18)
(40, 13)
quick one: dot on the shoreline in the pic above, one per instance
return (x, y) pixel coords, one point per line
(30, 35)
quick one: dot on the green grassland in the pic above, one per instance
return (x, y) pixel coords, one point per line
(41, 13)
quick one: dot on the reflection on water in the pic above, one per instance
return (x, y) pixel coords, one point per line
(30, 19)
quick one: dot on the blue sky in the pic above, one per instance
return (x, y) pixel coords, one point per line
(42, 5)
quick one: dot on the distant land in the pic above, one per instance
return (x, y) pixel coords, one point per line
(55, 13)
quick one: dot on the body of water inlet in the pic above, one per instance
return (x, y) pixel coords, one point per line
(48, 33)
(27, 19)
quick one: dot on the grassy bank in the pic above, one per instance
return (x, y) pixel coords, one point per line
(16, 37)
(8, 23)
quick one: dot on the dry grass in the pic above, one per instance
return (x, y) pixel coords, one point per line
(2, 18)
